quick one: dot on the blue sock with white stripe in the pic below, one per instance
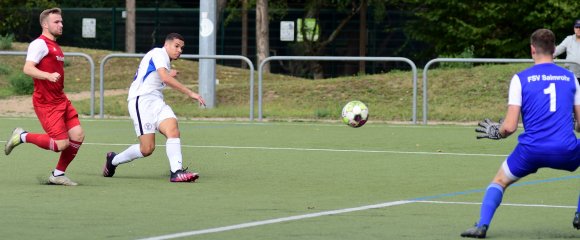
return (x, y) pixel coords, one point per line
(491, 201)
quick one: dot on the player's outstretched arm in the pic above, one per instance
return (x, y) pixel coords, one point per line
(502, 129)
(509, 125)
(167, 78)
(488, 129)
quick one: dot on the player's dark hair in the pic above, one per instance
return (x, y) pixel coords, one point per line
(172, 36)
(44, 14)
(544, 41)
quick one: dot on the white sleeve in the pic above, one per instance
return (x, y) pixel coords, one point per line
(161, 59)
(577, 94)
(36, 51)
(515, 94)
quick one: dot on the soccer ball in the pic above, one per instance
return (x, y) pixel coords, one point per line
(355, 114)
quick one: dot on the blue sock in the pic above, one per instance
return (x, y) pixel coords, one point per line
(491, 201)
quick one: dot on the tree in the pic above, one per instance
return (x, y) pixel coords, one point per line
(262, 38)
(220, 7)
(362, 39)
(275, 9)
(16, 17)
(493, 28)
(244, 31)
(317, 47)
(130, 27)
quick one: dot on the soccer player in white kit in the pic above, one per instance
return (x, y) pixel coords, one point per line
(150, 113)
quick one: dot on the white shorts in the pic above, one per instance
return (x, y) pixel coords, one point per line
(148, 112)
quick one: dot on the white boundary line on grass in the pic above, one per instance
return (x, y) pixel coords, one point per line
(349, 150)
(276, 220)
(316, 149)
(326, 213)
(311, 149)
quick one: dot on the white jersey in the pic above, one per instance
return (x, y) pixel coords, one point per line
(147, 80)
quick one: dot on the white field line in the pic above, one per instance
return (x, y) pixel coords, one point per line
(311, 149)
(276, 220)
(333, 212)
(503, 204)
(316, 150)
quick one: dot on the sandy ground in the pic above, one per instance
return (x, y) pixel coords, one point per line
(21, 106)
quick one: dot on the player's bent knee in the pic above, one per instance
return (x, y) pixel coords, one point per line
(77, 134)
(146, 151)
(173, 134)
(61, 145)
(80, 137)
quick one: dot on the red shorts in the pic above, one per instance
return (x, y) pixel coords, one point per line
(57, 120)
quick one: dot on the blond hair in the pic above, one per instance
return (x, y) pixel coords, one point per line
(44, 14)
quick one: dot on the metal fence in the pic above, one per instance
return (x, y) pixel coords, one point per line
(183, 56)
(469, 60)
(72, 54)
(299, 58)
(322, 58)
(385, 38)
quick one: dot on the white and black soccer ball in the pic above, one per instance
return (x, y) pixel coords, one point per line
(355, 114)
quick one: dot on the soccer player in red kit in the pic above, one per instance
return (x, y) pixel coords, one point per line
(59, 119)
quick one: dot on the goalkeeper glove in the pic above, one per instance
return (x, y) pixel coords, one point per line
(489, 128)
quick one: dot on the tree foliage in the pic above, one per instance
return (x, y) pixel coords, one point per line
(348, 9)
(277, 9)
(18, 17)
(15, 15)
(494, 28)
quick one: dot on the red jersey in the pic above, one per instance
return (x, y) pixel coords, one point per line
(49, 58)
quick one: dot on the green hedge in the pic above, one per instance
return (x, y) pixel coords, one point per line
(21, 84)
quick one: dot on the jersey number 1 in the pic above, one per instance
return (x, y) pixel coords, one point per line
(552, 91)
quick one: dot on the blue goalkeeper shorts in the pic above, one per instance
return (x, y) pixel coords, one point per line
(526, 160)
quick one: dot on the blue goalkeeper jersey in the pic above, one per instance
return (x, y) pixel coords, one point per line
(547, 95)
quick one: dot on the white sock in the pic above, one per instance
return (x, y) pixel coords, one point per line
(57, 172)
(131, 153)
(173, 149)
(23, 137)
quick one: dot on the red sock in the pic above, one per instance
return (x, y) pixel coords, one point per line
(42, 141)
(68, 155)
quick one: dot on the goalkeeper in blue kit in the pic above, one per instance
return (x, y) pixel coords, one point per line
(545, 95)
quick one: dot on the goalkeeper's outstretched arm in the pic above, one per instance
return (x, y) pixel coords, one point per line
(510, 122)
